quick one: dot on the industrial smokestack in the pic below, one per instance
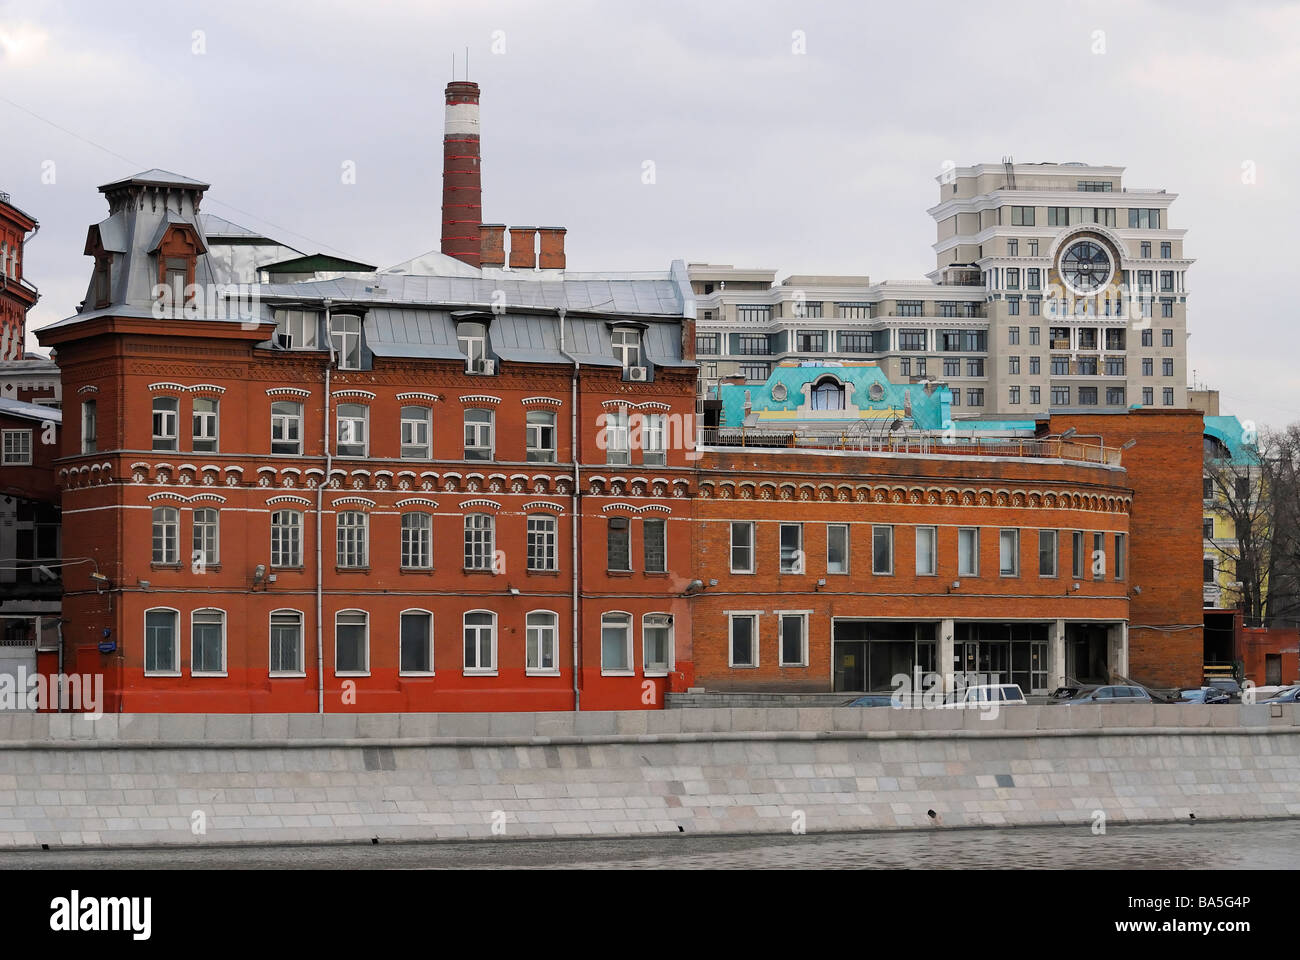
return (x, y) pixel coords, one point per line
(462, 187)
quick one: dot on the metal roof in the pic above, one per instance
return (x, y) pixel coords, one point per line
(29, 411)
(162, 178)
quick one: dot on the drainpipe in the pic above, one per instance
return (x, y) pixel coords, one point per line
(320, 506)
(577, 514)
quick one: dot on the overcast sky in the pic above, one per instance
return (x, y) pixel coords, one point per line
(815, 162)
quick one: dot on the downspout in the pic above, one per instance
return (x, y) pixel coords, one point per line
(320, 506)
(577, 514)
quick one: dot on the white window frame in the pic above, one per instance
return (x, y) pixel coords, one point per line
(416, 540)
(1014, 534)
(546, 632)
(934, 551)
(732, 616)
(17, 448)
(204, 541)
(163, 421)
(480, 428)
(542, 542)
(301, 327)
(1056, 554)
(627, 346)
(617, 434)
(222, 622)
(848, 540)
(628, 653)
(471, 338)
(401, 670)
(89, 426)
(973, 570)
(411, 427)
(283, 420)
(874, 529)
(479, 670)
(731, 559)
(165, 516)
(365, 671)
(345, 340)
(802, 616)
(270, 643)
(353, 538)
(205, 425)
(797, 561)
(175, 669)
(654, 439)
(480, 536)
(538, 425)
(351, 424)
(655, 621)
(290, 532)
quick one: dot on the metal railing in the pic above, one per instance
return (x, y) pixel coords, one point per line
(920, 444)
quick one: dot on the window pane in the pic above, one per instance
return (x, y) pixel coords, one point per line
(882, 550)
(837, 548)
(792, 639)
(614, 630)
(416, 634)
(286, 643)
(742, 641)
(925, 559)
(653, 534)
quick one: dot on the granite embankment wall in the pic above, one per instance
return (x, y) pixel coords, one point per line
(155, 779)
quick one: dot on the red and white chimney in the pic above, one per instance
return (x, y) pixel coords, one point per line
(462, 186)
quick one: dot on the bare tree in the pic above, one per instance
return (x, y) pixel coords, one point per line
(1257, 494)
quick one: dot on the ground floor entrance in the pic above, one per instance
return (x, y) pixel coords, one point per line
(1087, 658)
(1003, 653)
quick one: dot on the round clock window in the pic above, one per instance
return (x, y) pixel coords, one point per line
(1086, 267)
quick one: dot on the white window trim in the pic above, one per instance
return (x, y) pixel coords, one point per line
(432, 671)
(672, 645)
(17, 463)
(299, 527)
(802, 615)
(365, 430)
(542, 671)
(890, 571)
(215, 559)
(555, 542)
(401, 539)
(469, 671)
(1015, 557)
(299, 417)
(753, 542)
(800, 559)
(302, 643)
(934, 549)
(629, 646)
(427, 420)
(351, 673)
(144, 647)
(225, 619)
(757, 616)
(975, 555)
(848, 551)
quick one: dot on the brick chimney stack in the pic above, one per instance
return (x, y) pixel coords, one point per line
(462, 187)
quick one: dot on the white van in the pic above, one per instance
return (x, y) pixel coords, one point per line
(981, 695)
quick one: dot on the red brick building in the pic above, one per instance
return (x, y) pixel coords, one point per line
(454, 485)
(17, 296)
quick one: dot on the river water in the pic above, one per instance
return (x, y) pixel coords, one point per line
(1255, 845)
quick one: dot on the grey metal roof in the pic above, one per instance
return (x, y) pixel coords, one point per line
(29, 411)
(527, 337)
(411, 333)
(162, 178)
(658, 297)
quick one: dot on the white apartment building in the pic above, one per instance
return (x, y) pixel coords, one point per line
(1055, 288)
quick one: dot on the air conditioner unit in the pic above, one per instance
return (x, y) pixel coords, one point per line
(636, 373)
(488, 367)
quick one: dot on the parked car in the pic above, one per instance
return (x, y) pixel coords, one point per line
(1291, 695)
(978, 695)
(872, 700)
(1111, 693)
(1228, 685)
(1203, 695)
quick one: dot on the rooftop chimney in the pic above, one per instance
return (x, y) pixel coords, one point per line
(462, 188)
(551, 254)
(493, 248)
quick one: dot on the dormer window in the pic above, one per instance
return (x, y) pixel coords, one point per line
(103, 275)
(345, 338)
(828, 395)
(297, 329)
(627, 346)
(472, 340)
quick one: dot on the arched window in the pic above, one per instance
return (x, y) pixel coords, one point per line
(542, 641)
(286, 643)
(828, 395)
(208, 642)
(351, 642)
(480, 641)
(166, 530)
(352, 539)
(1215, 448)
